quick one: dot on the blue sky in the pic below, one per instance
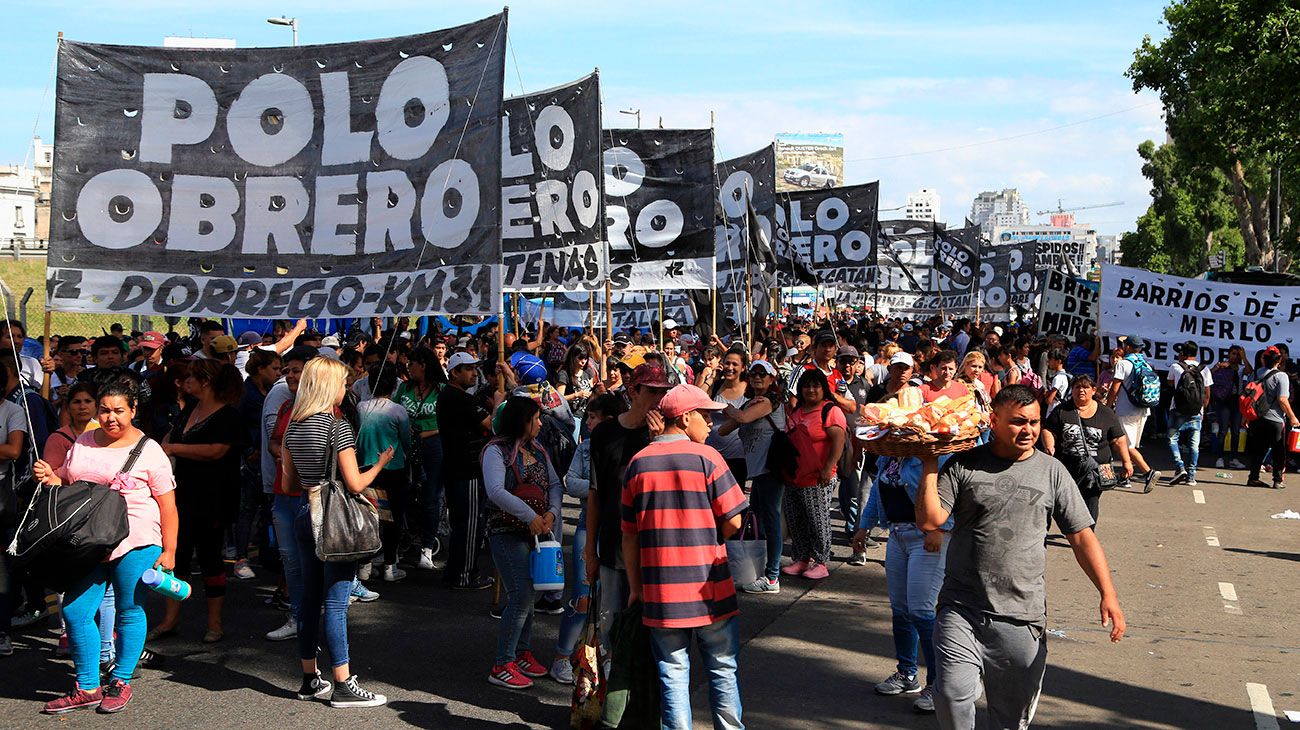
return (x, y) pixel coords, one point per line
(897, 78)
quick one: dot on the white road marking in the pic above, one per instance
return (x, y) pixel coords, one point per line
(1211, 539)
(1229, 608)
(1261, 706)
(1228, 592)
(1198, 496)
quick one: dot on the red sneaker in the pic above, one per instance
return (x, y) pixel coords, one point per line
(78, 699)
(509, 676)
(796, 568)
(817, 572)
(116, 694)
(529, 665)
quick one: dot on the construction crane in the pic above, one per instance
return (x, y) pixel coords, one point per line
(1061, 210)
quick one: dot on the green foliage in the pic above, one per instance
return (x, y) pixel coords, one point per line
(1191, 210)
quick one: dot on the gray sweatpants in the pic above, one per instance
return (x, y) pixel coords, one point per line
(1007, 658)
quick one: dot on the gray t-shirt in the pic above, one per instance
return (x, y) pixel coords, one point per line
(1000, 509)
(12, 419)
(1277, 384)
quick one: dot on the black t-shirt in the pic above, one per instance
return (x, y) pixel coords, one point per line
(612, 447)
(1098, 431)
(210, 488)
(460, 423)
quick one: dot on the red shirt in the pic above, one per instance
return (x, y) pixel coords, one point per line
(811, 440)
(954, 390)
(675, 493)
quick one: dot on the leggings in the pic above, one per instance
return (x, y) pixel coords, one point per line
(81, 606)
(807, 515)
(206, 534)
(393, 482)
(431, 489)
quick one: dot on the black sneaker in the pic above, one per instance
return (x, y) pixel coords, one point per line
(315, 687)
(549, 607)
(1149, 480)
(480, 583)
(350, 694)
(149, 659)
(1257, 482)
(106, 672)
(1179, 478)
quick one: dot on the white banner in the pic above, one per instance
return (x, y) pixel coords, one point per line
(1166, 310)
(1068, 306)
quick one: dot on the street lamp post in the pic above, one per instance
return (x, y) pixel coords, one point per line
(291, 22)
(633, 112)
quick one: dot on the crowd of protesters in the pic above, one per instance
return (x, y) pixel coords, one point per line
(469, 443)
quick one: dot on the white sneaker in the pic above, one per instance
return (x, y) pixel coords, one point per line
(426, 559)
(562, 670)
(288, 631)
(363, 570)
(242, 571)
(1235, 464)
(392, 574)
(1218, 463)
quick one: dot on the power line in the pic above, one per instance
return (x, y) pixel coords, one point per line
(1006, 139)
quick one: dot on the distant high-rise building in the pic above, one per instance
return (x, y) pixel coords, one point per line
(998, 210)
(923, 205)
(43, 162)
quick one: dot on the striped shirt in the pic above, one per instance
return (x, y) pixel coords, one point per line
(307, 442)
(675, 493)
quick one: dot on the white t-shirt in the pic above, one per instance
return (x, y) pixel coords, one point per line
(12, 419)
(1178, 367)
(1059, 381)
(1123, 404)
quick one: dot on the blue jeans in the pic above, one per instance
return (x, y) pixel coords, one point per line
(914, 577)
(1180, 425)
(431, 493)
(81, 606)
(765, 497)
(571, 625)
(324, 585)
(873, 514)
(107, 620)
(719, 644)
(1227, 421)
(284, 514)
(510, 552)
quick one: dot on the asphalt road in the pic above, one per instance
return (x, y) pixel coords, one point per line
(1192, 659)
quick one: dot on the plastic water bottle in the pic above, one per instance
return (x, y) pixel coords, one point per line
(165, 583)
(547, 565)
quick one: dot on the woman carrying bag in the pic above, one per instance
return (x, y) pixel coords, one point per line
(104, 456)
(314, 441)
(1085, 435)
(525, 495)
(817, 429)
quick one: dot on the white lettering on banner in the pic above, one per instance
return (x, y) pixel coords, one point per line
(1168, 310)
(658, 223)
(1066, 306)
(449, 288)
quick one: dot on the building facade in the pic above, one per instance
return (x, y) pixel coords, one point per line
(923, 205)
(1001, 209)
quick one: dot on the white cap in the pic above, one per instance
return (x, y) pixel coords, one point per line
(461, 358)
(763, 365)
(903, 358)
(669, 324)
(330, 341)
(997, 331)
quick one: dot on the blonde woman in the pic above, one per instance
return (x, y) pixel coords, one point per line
(974, 372)
(316, 436)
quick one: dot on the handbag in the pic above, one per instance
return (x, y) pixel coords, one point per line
(69, 529)
(746, 553)
(345, 525)
(589, 681)
(782, 456)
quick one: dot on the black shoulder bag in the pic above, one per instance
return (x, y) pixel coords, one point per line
(69, 529)
(345, 525)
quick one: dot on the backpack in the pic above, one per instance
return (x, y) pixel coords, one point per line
(1143, 386)
(1254, 399)
(1029, 377)
(1189, 392)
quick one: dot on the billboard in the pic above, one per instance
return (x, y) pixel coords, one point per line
(809, 160)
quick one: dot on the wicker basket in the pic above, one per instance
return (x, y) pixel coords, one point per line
(917, 444)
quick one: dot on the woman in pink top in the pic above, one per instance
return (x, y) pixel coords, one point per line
(98, 456)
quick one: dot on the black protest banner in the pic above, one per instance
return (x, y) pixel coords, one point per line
(833, 230)
(550, 194)
(1017, 262)
(639, 310)
(659, 208)
(1067, 305)
(743, 236)
(319, 181)
(908, 282)
(956, 254)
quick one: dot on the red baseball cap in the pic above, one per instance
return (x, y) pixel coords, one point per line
(648, 374)
(685, 398)
(152, 340)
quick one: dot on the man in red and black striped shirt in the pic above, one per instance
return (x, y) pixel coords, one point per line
(680, 501)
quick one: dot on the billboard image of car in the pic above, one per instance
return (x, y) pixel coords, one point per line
(809, 160)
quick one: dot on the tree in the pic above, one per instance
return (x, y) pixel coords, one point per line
(1190, 217)
(1226, 75)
